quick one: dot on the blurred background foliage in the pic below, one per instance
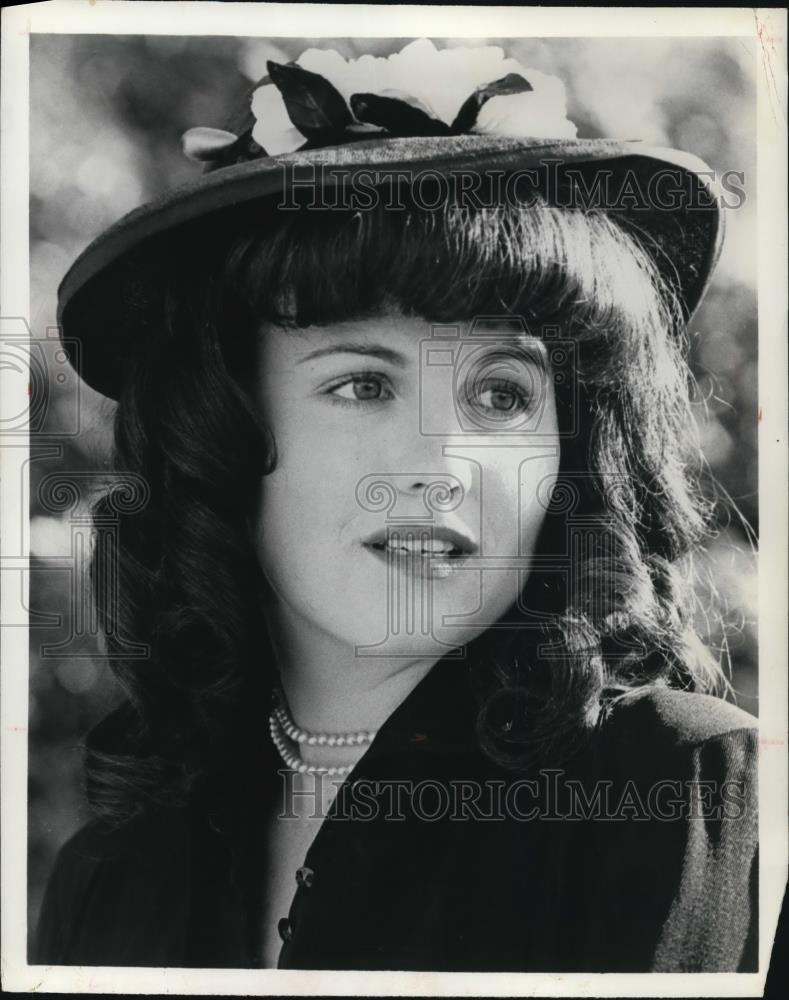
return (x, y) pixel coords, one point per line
(107, 114)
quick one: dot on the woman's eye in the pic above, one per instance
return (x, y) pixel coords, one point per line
(362, 388)
(500, 399)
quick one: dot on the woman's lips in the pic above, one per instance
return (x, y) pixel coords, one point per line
(429, 551)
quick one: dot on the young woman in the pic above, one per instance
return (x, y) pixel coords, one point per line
(402, 375)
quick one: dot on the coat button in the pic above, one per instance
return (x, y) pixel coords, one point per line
(215, 821)
(305, 876)
(285, 929)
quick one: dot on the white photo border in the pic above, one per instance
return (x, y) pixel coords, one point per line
(768, 26)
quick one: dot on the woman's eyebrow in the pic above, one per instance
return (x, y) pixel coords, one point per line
(368, 350)
(532, 351)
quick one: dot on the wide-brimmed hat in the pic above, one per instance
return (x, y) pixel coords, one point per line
(338, 136)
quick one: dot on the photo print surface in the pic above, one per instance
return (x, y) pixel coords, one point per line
(393, 503)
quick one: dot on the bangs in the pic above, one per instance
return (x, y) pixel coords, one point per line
(537, 262)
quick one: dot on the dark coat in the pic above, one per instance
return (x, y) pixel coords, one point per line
(640, 856)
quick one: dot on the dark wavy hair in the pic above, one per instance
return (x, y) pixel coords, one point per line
(611, 614)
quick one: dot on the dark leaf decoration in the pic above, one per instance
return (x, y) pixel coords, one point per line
(241, 151)
(314, 105)
(397, 116)
(466, 118)
(247, 149)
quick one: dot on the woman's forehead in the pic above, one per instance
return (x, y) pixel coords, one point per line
(392, 327)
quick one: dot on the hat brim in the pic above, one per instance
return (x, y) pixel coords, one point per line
(680, 223)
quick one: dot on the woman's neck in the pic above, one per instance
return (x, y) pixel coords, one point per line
(328, 687)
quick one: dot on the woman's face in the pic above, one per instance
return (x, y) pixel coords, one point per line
(414, 466)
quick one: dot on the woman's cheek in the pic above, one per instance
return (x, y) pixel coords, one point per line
(536, 490)
(516, 490)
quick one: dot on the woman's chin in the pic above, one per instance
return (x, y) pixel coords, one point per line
(425, 621)
(411, 636)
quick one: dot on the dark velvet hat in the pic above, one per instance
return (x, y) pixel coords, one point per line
(305, 138)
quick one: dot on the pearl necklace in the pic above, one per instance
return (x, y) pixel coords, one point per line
(283, 728)
(289, 727)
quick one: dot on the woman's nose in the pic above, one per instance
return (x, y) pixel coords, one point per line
(449, 478)
(428, 495)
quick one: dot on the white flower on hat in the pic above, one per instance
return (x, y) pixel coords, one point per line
(435, 81)
(540, 113)
(273, 130)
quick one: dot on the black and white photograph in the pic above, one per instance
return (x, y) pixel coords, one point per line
(394, 469)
